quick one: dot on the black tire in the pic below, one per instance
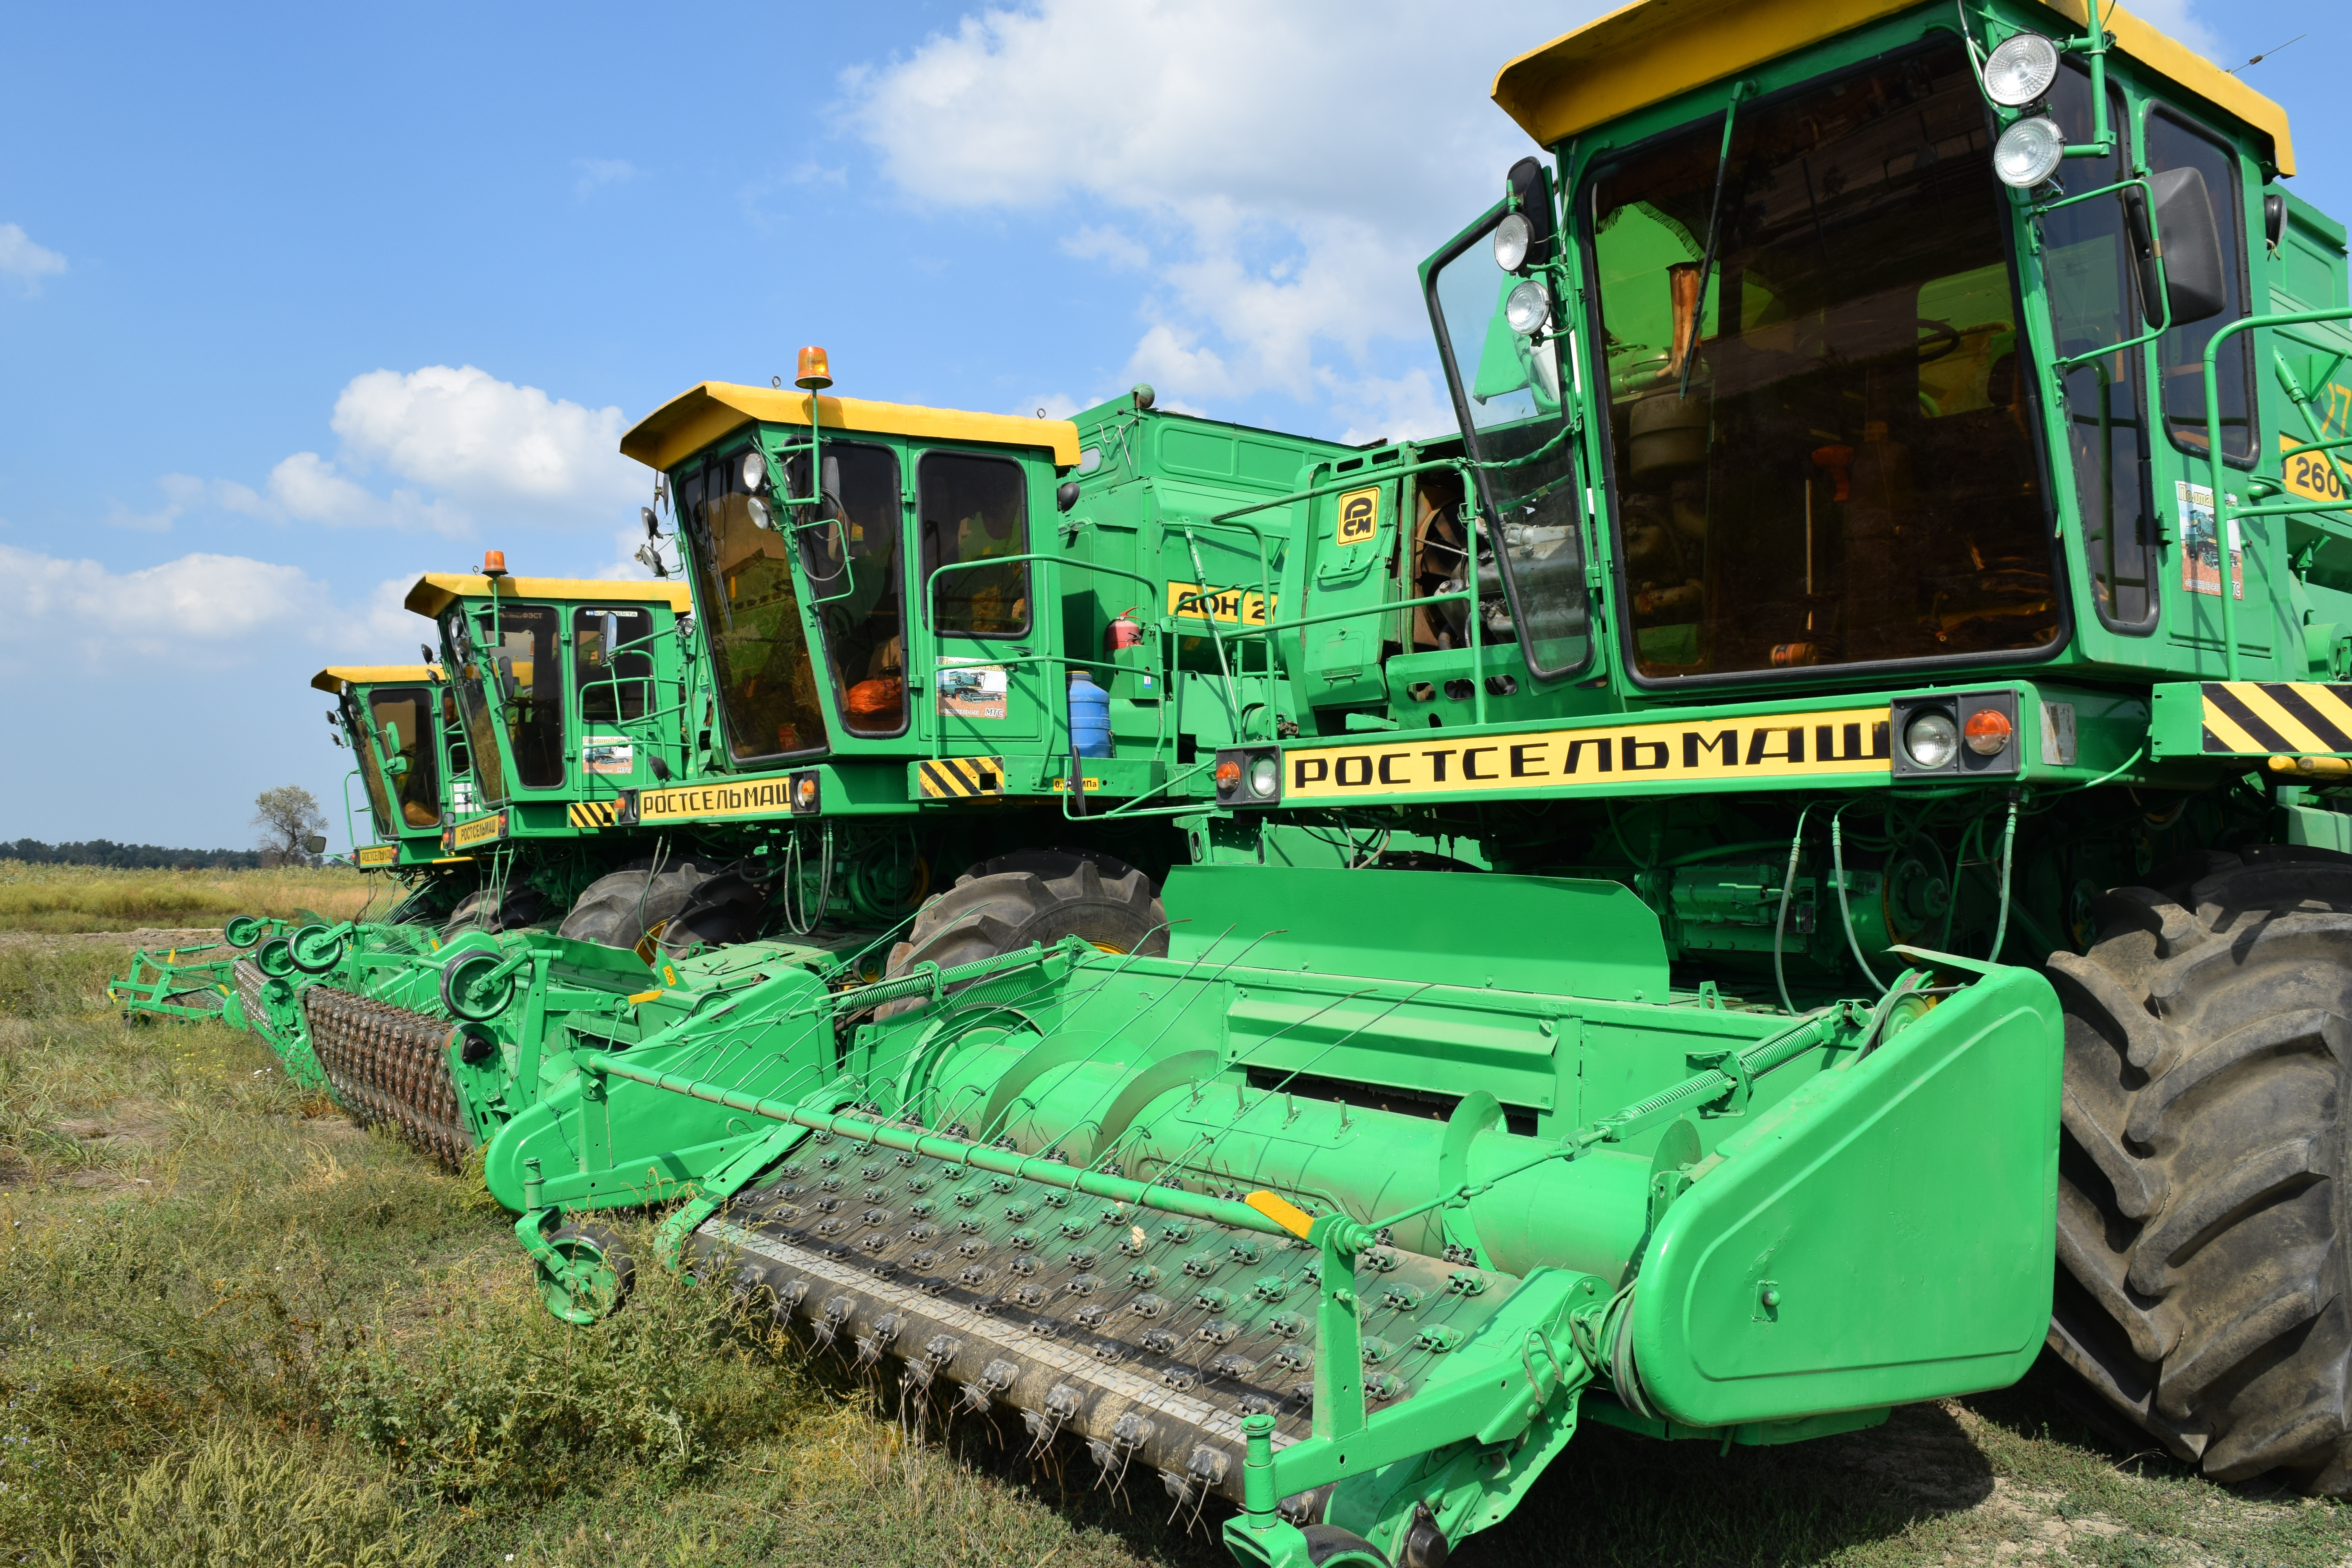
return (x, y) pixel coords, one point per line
(2204, 1223)
(726, 907)
(624, 907)
(1034, 896)
(484, 911)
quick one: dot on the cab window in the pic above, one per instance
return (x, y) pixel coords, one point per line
(471, 683)
(975, 509)
(2173, 143)
(1820, 439)
(403, 725)
(523, 672)
(751, 612)
(850, 554)
(612, 662)
(2087, 263)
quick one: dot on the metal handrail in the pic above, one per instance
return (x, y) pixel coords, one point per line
(2224, 513)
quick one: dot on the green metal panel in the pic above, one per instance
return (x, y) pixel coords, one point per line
(1886, 1230)
(1507, 933)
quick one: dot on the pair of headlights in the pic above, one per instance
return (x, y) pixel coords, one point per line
(2019, 71)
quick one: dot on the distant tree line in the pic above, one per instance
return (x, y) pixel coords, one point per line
(133, 856)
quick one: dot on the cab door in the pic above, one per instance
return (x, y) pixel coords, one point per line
(981, 604)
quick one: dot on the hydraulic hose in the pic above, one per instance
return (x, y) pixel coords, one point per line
(1845, 912)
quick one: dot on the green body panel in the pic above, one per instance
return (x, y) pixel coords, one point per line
(1899, 1212)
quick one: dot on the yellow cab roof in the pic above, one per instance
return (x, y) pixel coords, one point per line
(332, 680)
(701, 414)
(436, 591)
(1649, 51)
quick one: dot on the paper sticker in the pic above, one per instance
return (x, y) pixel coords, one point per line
(609, 754)
(1360, 517)
(2201, 561)
(967, 690)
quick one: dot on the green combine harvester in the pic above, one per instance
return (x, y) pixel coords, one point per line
(1796, 858)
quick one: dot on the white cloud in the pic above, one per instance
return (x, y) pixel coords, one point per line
(1102, 243)
(202, 609)
(2173, 18)
(27, 263)
(595, 172)
(485, 443)
(1290, 164)
(462, 450)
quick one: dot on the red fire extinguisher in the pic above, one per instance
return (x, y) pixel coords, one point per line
(1125, 631)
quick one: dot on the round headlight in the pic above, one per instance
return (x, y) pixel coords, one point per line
(1512, 237)
(755, 472)
(1528, 308)
(1264, 777)
(758, 510)
(1931, 741)
(2027, 152)
(2021, 71)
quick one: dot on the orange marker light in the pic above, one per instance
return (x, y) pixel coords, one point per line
(1987, 730)
(815, 373)
(494, 563)
(1229, 773)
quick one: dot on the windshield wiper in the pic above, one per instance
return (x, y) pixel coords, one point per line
(1739, 89)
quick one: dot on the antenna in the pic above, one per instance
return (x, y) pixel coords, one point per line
(2267, 54)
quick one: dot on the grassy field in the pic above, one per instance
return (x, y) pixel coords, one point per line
(91, 898)
(234, 1330)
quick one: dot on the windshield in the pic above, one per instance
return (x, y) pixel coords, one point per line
(467, 678)
(1850, 478)
(612, 662)
(758, 649)
(1507, 393)
(403, 723)
(370, 771)
(849, 550)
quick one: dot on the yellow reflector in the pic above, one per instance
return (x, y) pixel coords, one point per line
(1283, 1212)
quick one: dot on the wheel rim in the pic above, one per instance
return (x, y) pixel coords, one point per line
(579, 1285)
(274, 959)
(314, 949)
(465, 992)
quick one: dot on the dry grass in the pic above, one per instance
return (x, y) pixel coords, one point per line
(235, 1329)
(93, 898)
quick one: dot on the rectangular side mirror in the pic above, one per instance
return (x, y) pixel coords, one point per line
(2184, 228)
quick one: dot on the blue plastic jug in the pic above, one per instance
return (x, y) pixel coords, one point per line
(1089, 716)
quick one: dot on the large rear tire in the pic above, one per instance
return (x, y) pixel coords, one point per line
(2204, 1224)
(483, 910)
(1040, 895)
(626, 907)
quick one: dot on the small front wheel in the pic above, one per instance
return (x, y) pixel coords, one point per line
(589, 1276)
(315, 949)
(274, 960)
(470, 993)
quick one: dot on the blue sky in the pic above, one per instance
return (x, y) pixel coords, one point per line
(298, 304)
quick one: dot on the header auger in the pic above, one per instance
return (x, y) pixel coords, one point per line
(1796, 858)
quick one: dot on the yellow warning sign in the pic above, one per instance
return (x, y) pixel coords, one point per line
(1773, 746)
(373, 854)
(1190, 601)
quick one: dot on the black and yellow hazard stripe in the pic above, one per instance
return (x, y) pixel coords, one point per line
(962, 778)
(2270, 717)
(593, 813)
